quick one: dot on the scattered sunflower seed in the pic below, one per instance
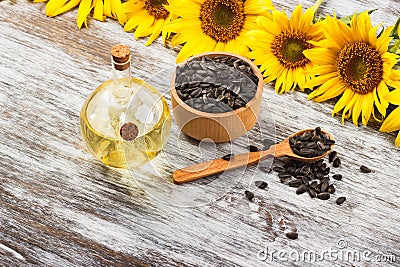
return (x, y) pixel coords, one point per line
(365, 169)
(249, 195)
(340, 200)
(292, 235)
(332, 156)
(336, 162)
(261, 184)
(324, 196)
(301, 189)
(228, 157)
(253, 148)
(337, 177)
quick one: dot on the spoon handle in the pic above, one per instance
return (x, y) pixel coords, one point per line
(219, 165)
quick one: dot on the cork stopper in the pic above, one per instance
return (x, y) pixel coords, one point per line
(121, 56)
(129, 131)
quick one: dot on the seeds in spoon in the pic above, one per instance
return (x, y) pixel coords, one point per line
(311, 143)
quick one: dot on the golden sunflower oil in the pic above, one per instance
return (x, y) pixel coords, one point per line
(118, 102)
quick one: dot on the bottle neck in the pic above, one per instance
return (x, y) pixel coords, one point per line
(122, 81)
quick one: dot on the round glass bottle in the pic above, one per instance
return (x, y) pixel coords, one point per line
(125, 122)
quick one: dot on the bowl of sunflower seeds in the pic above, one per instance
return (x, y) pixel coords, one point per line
(216, 96)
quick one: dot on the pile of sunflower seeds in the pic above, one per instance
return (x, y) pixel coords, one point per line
(217, 84)
(307, 177)
(311, 144)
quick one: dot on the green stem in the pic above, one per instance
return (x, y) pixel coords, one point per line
(317, 4)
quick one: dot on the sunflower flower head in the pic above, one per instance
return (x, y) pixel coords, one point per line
(147, 18)
(214, 25)
(352, 62)
(101, 9)
(277, 45)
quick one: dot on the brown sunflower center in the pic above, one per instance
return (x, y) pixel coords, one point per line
(156, 9)
(222, 20)
(360, 66)
(288, 47)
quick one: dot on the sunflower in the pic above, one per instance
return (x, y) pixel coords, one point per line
(101, 9)
(392, 122)
(354, 63)
(278, 44)
(148, 17)
(214, 25)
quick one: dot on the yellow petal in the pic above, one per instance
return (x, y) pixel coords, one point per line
(156, 31)
(392, 122)
(393, 97)
(98, 10)
(83, 12)
(107, 8)
(53, 5)
(348, 94)
(367, 107)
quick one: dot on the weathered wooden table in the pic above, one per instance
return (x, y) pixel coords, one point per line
(60, 207)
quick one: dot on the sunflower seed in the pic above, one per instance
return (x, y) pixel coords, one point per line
(253, 148)
(332, 156)
(323, 196)
(331, 189)
(314, 184)
(301, 189)
(324, 186)
(249, 195)
(337, 177)
(295, 183)
(261, 184)
(284, 175)
(336, 162)
(340, 200)
(312, 193)
(292, 235)
(279, 169)
(305, 181)
(365, 169)
(228, 157)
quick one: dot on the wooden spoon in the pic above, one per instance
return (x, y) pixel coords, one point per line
(219, 165)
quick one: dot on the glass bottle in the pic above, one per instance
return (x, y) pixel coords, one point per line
(125, 122)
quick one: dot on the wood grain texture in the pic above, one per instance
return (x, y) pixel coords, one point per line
(60, 207)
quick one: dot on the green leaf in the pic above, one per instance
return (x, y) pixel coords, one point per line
(394, 47)
(347, 19)
(394, 32)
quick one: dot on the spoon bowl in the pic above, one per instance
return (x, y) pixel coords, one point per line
(219, 165)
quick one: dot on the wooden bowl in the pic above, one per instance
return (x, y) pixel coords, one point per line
(219, 127)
